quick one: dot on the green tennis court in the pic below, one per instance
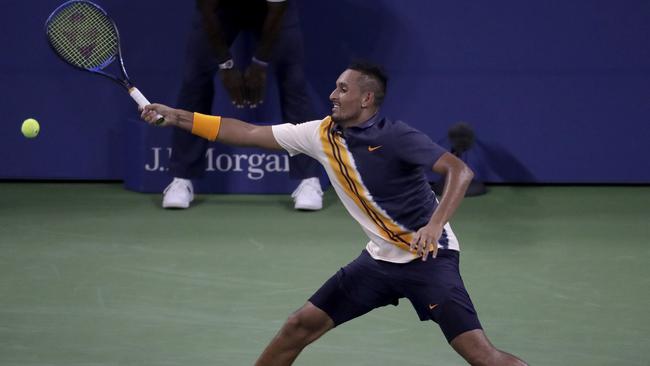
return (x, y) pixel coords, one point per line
(91, 274)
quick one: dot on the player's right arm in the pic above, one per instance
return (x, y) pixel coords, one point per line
(229, 131)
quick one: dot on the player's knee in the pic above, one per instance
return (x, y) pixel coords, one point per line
(297, 326)
(485, 355)
(294, 323)
(492, 357)
(480, 358)
(304, 325)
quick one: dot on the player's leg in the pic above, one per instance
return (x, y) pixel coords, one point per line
(477, 350)
(353, 291)
(438, 293)
(301, 328)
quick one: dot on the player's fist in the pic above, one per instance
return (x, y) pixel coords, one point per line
(425, 241)
(152, 114)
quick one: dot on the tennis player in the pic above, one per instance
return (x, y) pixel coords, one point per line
(377, 167)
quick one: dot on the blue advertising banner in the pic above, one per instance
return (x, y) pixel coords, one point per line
(227, 169)
(556, 91)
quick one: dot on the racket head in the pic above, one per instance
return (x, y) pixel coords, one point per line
(82, 34)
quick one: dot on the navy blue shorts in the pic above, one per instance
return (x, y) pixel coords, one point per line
(434, 287)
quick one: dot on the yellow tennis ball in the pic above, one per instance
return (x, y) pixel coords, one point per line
(30, 128)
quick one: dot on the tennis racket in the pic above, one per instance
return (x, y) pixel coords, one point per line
(82, 34)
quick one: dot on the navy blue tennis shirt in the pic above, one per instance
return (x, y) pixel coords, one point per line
(378, 170)
(393, 159)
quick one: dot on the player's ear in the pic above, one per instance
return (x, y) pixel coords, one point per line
(367, 99)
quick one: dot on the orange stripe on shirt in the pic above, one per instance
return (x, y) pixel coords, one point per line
(340, 161)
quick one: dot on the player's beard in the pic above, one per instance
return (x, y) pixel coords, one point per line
(342, 119)
(336, 113)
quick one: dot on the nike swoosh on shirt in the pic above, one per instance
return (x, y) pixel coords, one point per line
(432, 306)
(373, 148)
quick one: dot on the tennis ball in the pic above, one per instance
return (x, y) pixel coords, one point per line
(30, 128)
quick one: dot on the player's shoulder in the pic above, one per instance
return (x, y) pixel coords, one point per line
(396, 127)
(403, 136)
(401, 125)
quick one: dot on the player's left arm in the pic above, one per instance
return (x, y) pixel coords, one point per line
(457, 178)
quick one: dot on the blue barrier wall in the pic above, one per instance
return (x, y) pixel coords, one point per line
(557, 91)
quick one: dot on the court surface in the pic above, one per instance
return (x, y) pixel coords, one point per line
(92, 274)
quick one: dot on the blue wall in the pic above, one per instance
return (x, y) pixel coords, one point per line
(557, 91)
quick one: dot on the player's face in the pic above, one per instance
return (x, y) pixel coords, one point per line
(346, 98)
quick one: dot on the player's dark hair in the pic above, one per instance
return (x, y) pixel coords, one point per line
(374, 79)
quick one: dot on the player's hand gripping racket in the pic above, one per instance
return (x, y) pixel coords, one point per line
(84, 36)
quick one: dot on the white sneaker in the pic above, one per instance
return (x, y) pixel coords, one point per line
(308, 195)
(178, 194)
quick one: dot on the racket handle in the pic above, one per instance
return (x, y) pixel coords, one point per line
(142, 101)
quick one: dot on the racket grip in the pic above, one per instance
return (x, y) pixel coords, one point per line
(142, 101)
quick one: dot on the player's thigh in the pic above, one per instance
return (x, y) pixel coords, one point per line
(354, 290)
(437, 292)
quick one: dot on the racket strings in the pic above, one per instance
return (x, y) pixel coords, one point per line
(83, 36)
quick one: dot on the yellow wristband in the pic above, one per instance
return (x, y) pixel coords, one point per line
(206, 126)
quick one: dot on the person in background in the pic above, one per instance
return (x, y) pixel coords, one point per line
(275, 27)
